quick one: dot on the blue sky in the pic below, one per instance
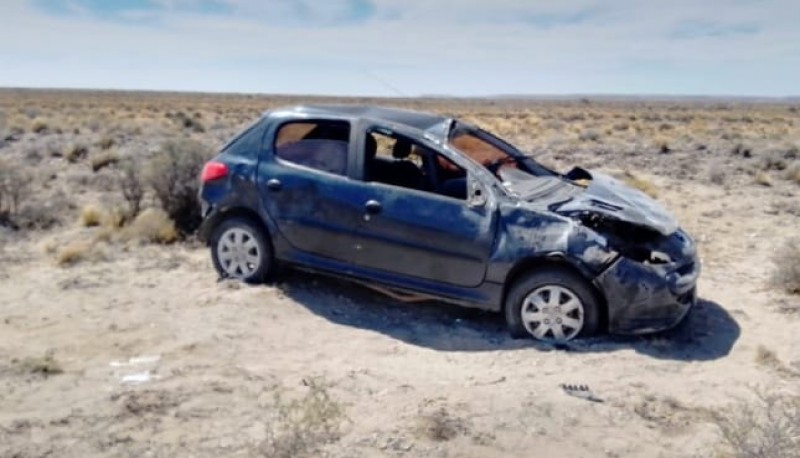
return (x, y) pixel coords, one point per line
(405, 47)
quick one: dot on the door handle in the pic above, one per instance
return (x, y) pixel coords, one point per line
(373, 207)
(274, 184)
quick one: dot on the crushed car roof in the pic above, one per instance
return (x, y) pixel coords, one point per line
(408, 118)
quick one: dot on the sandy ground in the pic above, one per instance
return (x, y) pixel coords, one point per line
(203, 358)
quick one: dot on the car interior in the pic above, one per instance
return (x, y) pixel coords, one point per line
(399, 161)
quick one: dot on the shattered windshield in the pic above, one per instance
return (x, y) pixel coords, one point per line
(505, 161)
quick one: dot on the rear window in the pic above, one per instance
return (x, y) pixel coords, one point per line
(320, 145)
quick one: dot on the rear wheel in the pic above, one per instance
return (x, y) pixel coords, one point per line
(241, 249)
(551, 306)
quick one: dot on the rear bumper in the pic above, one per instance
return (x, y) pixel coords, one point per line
(644, 298)
(210, 216)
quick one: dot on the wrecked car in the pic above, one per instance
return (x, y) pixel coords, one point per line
(422, 206)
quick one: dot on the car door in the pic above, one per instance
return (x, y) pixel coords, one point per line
(305, 186)
(424, 235)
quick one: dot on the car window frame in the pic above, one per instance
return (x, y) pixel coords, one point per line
(278, 123)
(367, 126)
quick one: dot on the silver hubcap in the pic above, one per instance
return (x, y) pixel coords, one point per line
(552, 313)
(238, 253)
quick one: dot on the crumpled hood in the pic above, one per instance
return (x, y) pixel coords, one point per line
(611, 198)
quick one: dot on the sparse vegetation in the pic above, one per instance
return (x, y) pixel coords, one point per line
(301, 427)
(174, 176)
(763, 178)
(787, 266)
(435, 422)
(132, 186)
(91, 216)
(45, 365)
(14, 187)
(152, 225)
(39, 126)
(793, 172)
(103, 159)
(640, 183)
(768, 427)
(76, 152)
(79, 251)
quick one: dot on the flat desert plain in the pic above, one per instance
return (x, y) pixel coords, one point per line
(117, 339)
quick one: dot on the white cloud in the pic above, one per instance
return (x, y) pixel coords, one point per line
(420, 46)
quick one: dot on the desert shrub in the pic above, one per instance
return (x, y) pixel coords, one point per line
(132, 186)
(187, 122)
(106, 142)
(14, 186)
(589, 135)
(103, 159)
(39, 126)
(174, 175)
(300, 427)
(768, 427)
(75, 152)
(151, 226)
(787, 266)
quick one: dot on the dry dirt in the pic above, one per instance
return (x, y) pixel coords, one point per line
(143, 352)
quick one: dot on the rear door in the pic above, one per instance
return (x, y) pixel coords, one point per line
(306, 188)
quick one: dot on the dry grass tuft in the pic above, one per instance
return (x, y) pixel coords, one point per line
(787, 266)
(301, 427)
(106, 142)
(75, 152)
(640, 183)
(436, 423)
(91, 216)
(768, 427)
(762, 178)
(103, 159)
(151, 226)
(39, 126)
(45, 365)
(79, 251)
(793, 172)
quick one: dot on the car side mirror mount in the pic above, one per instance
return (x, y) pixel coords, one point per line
(476, 194)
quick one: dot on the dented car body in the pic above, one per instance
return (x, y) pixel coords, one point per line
(430, 207)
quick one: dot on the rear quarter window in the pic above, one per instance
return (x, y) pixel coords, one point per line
(320, 145)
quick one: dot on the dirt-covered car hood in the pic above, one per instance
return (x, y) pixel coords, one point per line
(609, 197)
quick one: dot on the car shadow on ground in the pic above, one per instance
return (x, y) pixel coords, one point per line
(708, 333)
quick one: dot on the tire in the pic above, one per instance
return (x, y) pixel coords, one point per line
(552, 300)
(242, 250)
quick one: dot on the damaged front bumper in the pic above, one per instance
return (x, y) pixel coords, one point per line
(644, 298)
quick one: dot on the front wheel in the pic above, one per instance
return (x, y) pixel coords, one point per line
(240, 249)
(551, 306)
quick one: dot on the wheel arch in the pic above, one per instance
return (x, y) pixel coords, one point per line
(556, 262)
(245, 213)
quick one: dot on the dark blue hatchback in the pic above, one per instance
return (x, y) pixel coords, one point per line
(426, 207)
